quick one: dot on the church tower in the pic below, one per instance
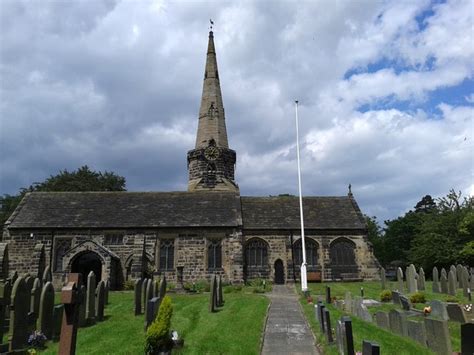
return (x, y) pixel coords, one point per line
(211, 164)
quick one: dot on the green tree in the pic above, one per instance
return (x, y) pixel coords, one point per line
(375, 236)
(82, 179)
(426, 204)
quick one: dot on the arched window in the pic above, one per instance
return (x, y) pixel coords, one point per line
(311, 253)
(256, 253)
(214, 254)
(342, 253)
(167, 254)
(62, 246)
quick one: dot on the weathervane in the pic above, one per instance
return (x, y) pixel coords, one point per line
(212, 24)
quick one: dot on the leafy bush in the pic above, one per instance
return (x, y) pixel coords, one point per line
(129, 285)
(452, 299)
(232, 288)
(158, 337)
(385, 296)
(260, 285)
(418, 297)
(203, 286)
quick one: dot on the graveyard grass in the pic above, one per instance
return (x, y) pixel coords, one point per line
(389, 342)
(235, 329)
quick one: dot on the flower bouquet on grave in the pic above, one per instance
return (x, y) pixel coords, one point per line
(37, 340)
(309, 299)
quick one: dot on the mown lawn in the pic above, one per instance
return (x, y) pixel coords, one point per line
(390, 343)
(235, 329)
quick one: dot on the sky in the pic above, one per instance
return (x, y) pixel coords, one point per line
(385, 92)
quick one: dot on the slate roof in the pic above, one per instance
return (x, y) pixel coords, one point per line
(126, 210)
(282, 212)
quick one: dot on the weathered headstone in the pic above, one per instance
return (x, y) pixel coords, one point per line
(328, 295)
(381, 319)
(100, 301)
(29, 280)
(58, 311)
(348, 337)
(218, 292)
(436, 287)
(370, 348)
(162, 287)
(416, 331)
(45, 320)
(400, 279)
(405, 303)
(453, 269)
(4, 261)
(443, 272)
(452, 283)
(149, 293)
(156, 288)
(106, 291)
(19, 309)
(383, 278)
(71, 298)
(467, 339)
(327, 322)
(464, 280)
(5, 294)
(82, 307)
(47, 275)
(396, 298)
(443, 283)
(213, 294)
(456, 313)
(438, 310)
(151, 311)
(321, 309)
(437, 336)
(421, 279)
(221, 293)
(397, 320)
(348, 302)
(90, 298)
(340, 337)
(365, 314)
(35, 300)
(144, 295)
(138, 296)
(411, 279)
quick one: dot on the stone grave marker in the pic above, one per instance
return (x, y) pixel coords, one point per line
(213, 296)
(45, 320)
(348, 302)
(348, 337)
(321, 309)
(82, 307)
(156, 288)
(435, 286)
(396, 298)
(443, 283)
(443, 272)
(370, 348)
(35, 301)
(106, 291)
(4, 261)
(327, 322)
(400, 279)
(405, 303)
(5, 293)
(162, 287)
(19, 309)
(340, 337)
(100, 301)
(365, 314)
(453, 269)
(328, 295)
(218, 291)
(138, 294)
(383, 279)
(29, 282)
(459, 268)
(471, 283)
(90, 298)
(14, 277)
(416, 331)
(452, 283)
(221, 293)
(421, 279)
(398, 322)
(411, 279)
(456, 313)
(437, 336)
(465, 281)
(58, 311)
(152, 311)
(149, 293)
(47, 275)
(438, 310)
(467, 339)
(381, 319)
(71, 299)
(143, 296)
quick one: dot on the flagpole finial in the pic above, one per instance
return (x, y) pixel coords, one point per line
(212, 24)
(296, 102)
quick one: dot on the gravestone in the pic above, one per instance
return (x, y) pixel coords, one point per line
(453, 269)
(381, 319)
(106, 291)
(19, 309)
(443, 281)
(90, 298)
(370, 348)
(47, 275)
(156, 288)
(57, 320)
(383, 278)
(35, 300)
(437, 336)
(438, 310)
(327, 322)
(471, 283)
(421, 279)
(5, 293)
(348, 337)
(218, 292)
(348, 302)
(143, 295)
(405, 303)
(138, 294)
(328, 295)
(416, 331)
(4, 261)
(221, 293)
(71, 298)
(151, 311)
(162, 287)
(365, 314)
(82, 307)
(29, 280)
(465, 281)
(340, 337)
(148, 293)
(396, 298)
(467, 339)
(443, 272)
(456, 313)
(321, 309)
(398, 322)
(411, 279)
(356, 303)
(435, 286)
(100, 301)
(213, 294)
(452, 283)
(45, 320)
(400, 279)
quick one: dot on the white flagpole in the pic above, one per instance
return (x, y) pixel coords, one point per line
(304, 282)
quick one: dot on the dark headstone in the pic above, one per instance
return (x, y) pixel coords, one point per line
(100, 301)
(456, 313)
(321, 309)
(467, 339)
(138, 296)
(370, 348)
(383, 279)
(148, 293)
(106, 291)
(143, 295)
(213, 294)
(220, 293)
(396, 298)
(416, 331)
(35, 301)
(5, 293)
(349, 339)
(57, 320)
(19, 309)
(47, 275)
(162, 287)
(405, 303)
(381, 319)
(328, 295)
(437, 336)
(46, 310)
(156, 288)
(82, 308)
(152, 311)
(327, 322)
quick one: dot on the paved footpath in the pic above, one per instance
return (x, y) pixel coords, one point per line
(287, 331)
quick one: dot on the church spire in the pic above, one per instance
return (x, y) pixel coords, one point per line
(211, 125)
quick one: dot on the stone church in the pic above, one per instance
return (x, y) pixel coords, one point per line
(192, 234)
